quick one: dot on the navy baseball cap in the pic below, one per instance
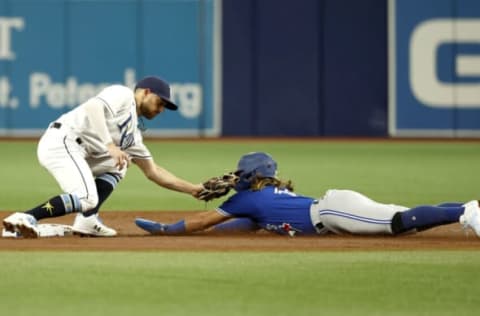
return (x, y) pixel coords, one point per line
(160, 87)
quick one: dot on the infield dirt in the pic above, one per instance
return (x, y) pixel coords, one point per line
(131, 238)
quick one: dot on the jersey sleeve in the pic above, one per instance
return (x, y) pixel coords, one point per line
(117, 99)
(139, 150)
(238, 205)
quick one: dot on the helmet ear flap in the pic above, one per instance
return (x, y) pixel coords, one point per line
(249, 176)
(244, 180)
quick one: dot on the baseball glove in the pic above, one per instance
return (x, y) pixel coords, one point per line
(217, 187)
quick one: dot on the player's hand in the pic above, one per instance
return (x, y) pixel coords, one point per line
(216, 187)
(120, 157)
(198, 188)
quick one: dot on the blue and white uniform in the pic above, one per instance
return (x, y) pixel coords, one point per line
(346, 211)
(282, 211)
(277, 210)
(338, 211)
(74, 153)
(87, 150)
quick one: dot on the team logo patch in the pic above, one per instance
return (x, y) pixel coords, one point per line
(48, 207)
(285, 228)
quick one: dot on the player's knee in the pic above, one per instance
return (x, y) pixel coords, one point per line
(89, 202)
(397, 224)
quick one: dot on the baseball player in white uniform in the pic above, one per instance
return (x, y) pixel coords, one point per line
(88, 150)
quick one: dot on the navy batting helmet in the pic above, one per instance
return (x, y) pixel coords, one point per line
(254, 164)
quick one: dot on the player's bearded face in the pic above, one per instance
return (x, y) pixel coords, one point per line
(151, 106)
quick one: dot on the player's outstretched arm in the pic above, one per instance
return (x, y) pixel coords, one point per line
(164, 178)
(197, 222)
(236, 225)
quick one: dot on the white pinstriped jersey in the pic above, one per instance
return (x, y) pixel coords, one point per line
(121, 117)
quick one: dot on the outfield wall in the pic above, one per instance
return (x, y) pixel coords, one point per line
(54, 54)
(434, 51)
(319, 67)
(305, 67)
(250, 67)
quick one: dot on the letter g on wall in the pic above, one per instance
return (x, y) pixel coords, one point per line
(425, 41)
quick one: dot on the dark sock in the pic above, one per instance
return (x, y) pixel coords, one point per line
(105, 185)
(56, 206)
(424, 217)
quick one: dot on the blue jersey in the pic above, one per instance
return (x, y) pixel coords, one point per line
(277, 210)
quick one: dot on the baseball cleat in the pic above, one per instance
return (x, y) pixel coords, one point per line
(9, 234)
(44, 230)
(22, 223)
(471, 216)
(150, 226)
(91, 226)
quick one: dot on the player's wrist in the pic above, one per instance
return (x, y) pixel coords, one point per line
(175, 228)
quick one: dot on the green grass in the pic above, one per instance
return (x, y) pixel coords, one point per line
(408, 173)
(241, 283)
(357, 283)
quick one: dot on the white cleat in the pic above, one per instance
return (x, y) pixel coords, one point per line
(9, 234)
(23, 224)
(471, 216)
(91, 226)
(44, 230)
